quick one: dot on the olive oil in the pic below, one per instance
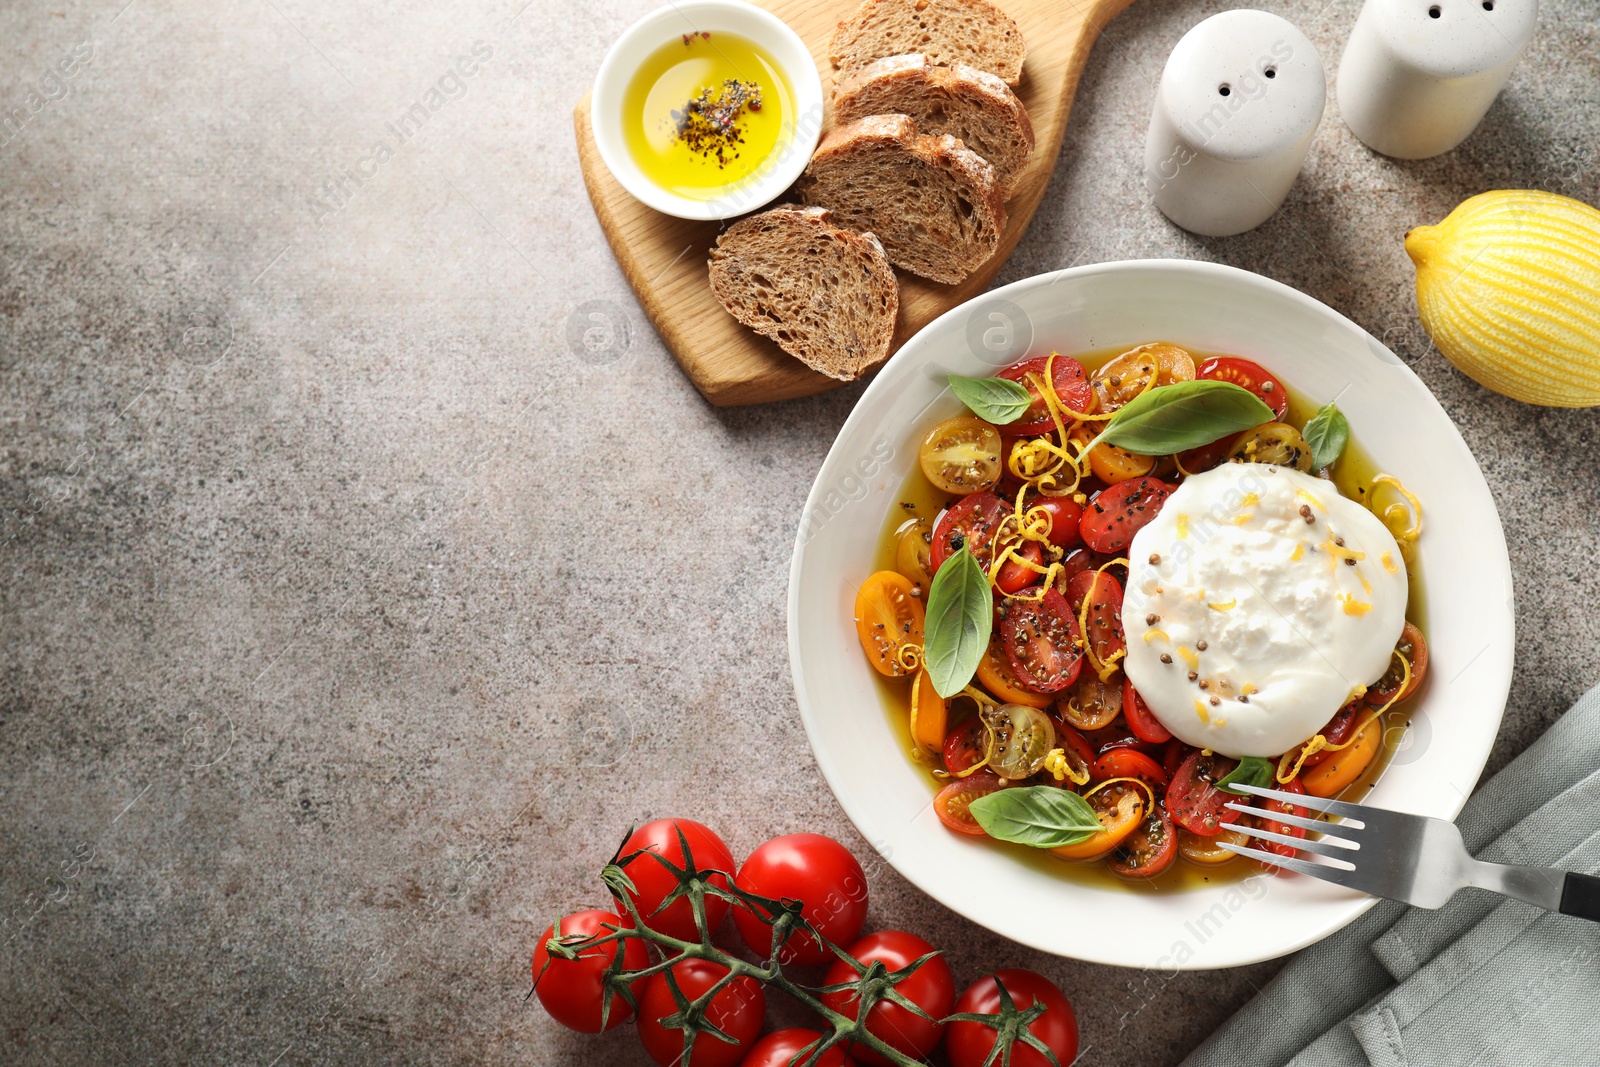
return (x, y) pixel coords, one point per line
(705, 113)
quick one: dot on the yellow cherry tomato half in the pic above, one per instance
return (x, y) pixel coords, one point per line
(1125, 377)
(913, 545)
(1277, 443)
(1000, 681)
(1333, 774)
(1120, 808)
(887, 618)
(961, 455)
(1108, 462)
(928, 728)
(1197, 848)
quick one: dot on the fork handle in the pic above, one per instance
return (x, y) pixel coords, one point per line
(1580, 896)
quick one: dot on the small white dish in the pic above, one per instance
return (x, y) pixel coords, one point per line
(639, 41)
(1463, 564)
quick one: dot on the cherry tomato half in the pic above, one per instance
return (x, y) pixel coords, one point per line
(653, 882)
(997, 677)
(1145, 726)
(1193, 801)
(1104, 620)
(1128, 763)
(813, 869)
(961, 455)
(1113, 517)
(1413, 647)
(1337, 732)
(1040, 638)
(1149, 850)
(1333, 775)
(1120, 808)
(1125, 377)
(1013, 576)
(1107, 462)
(1079, 752)
(1247, 375)
(931, 987)
(1071, 386)
(1064, 513)
(1208, 850)
(953, 802)
(970, 1044)
(781, 1048)
(1265, 822)
(888, 617)
(1091, 704)
(965, 746)
(970, 521)
(573, 991)
(737, 1011)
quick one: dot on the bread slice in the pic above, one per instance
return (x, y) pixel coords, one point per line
(969, 104)
(932, 201)
(826, 295)
(970, 32)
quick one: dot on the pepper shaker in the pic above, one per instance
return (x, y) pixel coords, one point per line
(1238, 103)
(1417, 76)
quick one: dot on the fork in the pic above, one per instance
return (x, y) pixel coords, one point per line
(1419, 860)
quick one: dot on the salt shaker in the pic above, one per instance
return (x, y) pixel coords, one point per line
(1238, 103)
(1417, 76)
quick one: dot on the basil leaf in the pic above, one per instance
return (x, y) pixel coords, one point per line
(995, 400)
(1039, 816)
(1183, 415)
(1326, 432)
(1252, 770)
(960, 614)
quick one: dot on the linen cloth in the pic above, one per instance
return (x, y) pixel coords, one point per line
(1481, 981)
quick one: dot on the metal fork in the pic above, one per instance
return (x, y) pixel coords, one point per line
(1413, 858)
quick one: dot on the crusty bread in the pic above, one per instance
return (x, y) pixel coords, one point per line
(969, 104)
(826, 295)
(970, 32)
(932, 201)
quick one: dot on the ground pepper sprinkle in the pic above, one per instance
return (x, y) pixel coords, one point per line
(709, 123)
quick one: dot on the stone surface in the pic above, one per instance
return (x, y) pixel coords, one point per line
(350, 613)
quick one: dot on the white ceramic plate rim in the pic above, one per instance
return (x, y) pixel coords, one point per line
(1183, 930)
(729, 16)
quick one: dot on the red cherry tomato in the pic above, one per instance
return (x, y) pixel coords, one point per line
(1104, 620)
(781, 1048)
(1247, 375)
(1145, 726)
(931, 988)
(572, 991)
(1128, 763)
(737, 1011)
(970, 521)
(1199, 460)
(953, 803)
(1265, 822)
(1113, 517)
(1040, 638)
(653, 883)
(1147, 851)
(1194, 802)
(1116, 734)
(1079, 752)
(1013, 576)
(970, 1044)
(1173, 753)
(821, 874)
(1338, 731)
(965, 746)
(1064, 513)
(1071, 385)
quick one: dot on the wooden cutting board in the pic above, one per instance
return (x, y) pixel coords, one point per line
(665, 258)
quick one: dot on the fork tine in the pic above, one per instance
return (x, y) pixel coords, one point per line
(1325, 871)
(1324, 847)
(1306, 800)
(1324, 828)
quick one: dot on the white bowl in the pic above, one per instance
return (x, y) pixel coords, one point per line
(1464, 570)
(795, 144)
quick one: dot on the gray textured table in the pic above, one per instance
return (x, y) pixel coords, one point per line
(349, 616)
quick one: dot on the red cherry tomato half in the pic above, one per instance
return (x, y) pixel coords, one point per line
(1013, 576)
(1145, 726)
(781, 1048)
(1071, 385)
(1079, 752)
(1247, 375)
(970, 521)
(1147, 851)
(953, 803)
(1113, 517)
(1194, 802)
(1338, 731)
(1128, 763)
(1265, 822)
(573, 991)
(1199, 460)
(965, 746)
(1064, 513)
(931, 988)
(970, 1044)
(1104, 620)
(653, 883)
(821, 874)
(1173, 753)
(737, 1011)
(1116, 734)
(1040, 638)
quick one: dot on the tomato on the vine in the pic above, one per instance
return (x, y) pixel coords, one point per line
(653, 883)
(737, 1011)
(970, 1044)
(815, 870)
(931, 987)
(782, 1048)
(573, 991)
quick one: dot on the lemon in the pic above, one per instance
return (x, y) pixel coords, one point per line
(1508, 287)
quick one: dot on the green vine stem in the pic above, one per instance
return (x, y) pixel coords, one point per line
(874, 983)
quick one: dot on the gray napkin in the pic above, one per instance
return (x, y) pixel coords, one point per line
(1481, 981)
